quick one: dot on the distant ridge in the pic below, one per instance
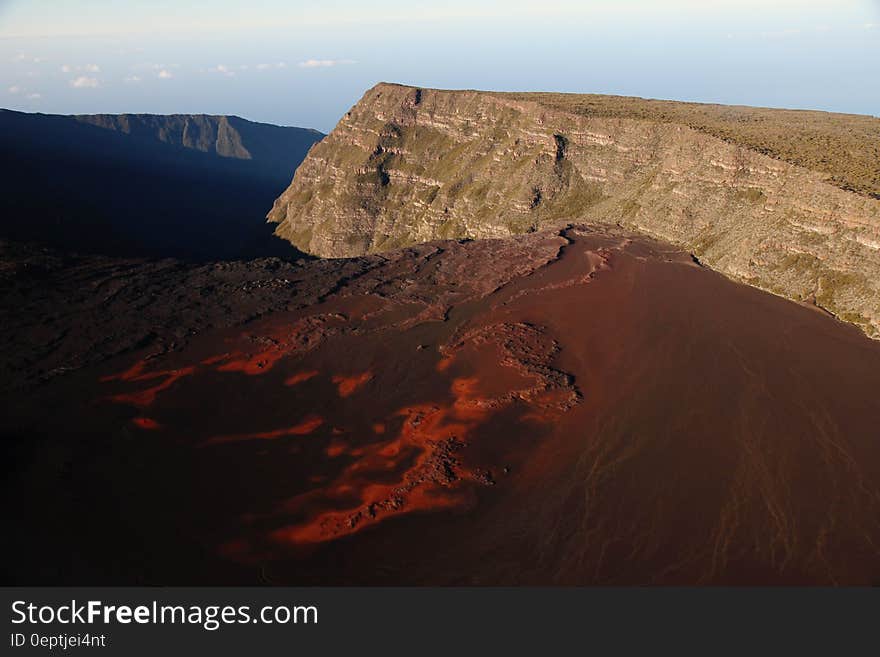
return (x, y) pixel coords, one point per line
(187, 186)
(226, 136)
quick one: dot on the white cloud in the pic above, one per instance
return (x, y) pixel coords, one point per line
(131, 79)
(87, 68)
(165, 74)
(231, 71)
(21, 57)
(870, 26)
(324, 63)
(781, 34)
(264, 67)
(148, 66)
(83, 82)
(16, 89)
(223, 70)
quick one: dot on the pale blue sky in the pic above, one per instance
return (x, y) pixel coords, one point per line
(305, 63)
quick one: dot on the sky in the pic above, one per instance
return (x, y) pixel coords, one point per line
(306, 63)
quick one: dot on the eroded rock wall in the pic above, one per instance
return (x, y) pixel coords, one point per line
(409, 165)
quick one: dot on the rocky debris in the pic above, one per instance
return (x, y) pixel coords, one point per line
(440, 467)
(526, 349)
(62, 312)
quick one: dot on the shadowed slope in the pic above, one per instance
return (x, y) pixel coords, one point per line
(276, 150)
(185, 186)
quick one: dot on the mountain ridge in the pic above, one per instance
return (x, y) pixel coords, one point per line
(226, 135)
(135, 185)
(407, 165)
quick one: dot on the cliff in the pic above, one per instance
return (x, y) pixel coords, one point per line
(782, 200)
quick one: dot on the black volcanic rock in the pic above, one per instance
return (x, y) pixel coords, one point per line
(186, 186)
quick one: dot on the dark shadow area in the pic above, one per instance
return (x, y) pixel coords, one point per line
(182, 186)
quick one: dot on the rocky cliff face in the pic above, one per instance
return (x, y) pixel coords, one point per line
(410, 165)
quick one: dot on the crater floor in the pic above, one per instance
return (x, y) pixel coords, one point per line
(557, 408)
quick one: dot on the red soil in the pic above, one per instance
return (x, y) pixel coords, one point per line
(146, 423)
(347, 385)
(145, 397)
(300, 377)
(303, 428)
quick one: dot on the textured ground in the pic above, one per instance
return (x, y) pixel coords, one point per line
(565, 408)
